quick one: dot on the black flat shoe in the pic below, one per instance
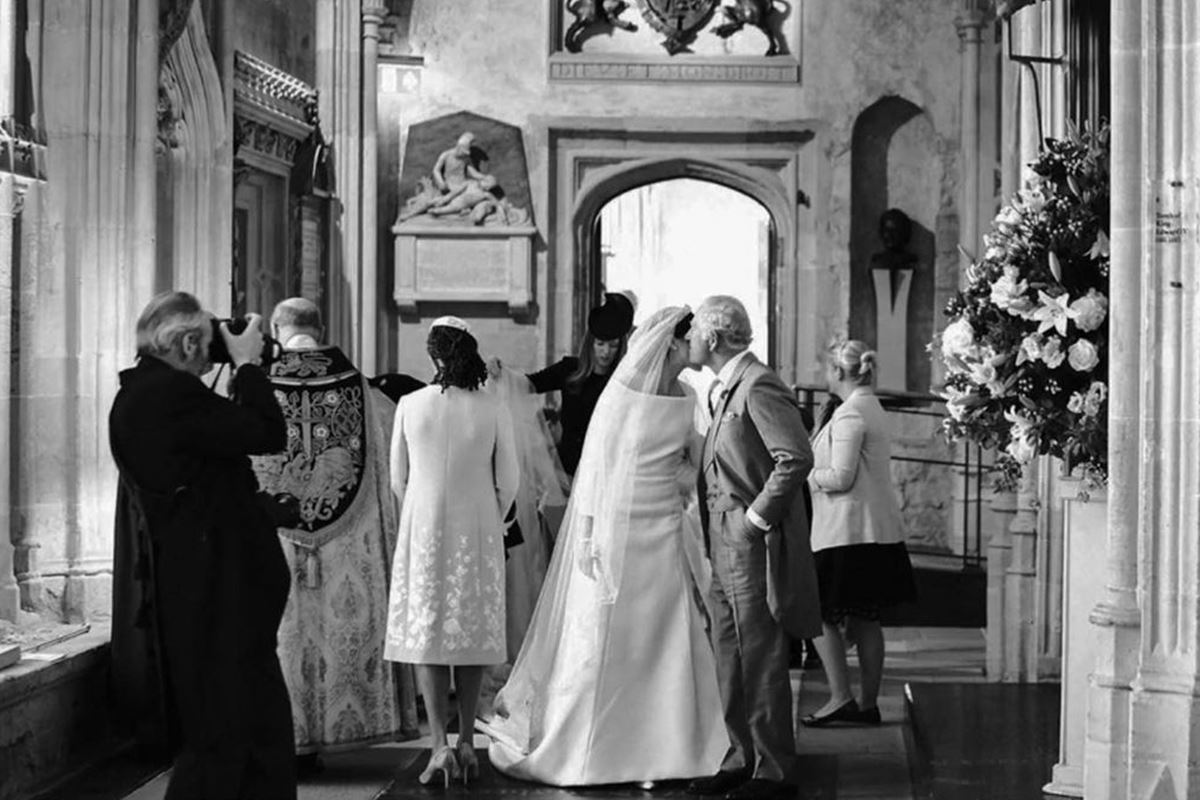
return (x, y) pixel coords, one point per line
(846, 712)
(759, 789)
(870, 716)
(720, 783)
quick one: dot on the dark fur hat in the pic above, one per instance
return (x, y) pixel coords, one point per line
(612, 320)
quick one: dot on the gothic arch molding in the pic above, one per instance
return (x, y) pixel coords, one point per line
(774, 164)
(196, 173)
(611, 183)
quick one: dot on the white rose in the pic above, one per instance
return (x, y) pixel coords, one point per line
(1090, 310)
(958, 338)
(1008, 217)
(1031, 349)
(1095, 398)
(1075, 404)
(1052, 353)
(1083, 356)
(982, 372)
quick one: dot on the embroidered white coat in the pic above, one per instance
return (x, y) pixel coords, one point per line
(454, 469)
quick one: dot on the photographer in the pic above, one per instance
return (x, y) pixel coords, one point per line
(199, 581)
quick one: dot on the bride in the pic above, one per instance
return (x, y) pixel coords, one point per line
(615, 681)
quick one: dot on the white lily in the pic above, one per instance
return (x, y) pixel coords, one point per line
(1053, 312)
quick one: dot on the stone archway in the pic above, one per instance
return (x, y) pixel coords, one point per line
(774, 163)
(195, 230)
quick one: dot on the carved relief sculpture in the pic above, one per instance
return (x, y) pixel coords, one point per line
(463, 231)
(755, 13)
(591, 14)
(678, 20)
(458, 192)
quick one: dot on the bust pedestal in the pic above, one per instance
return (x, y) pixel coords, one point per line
(463, 263)
(891, 326)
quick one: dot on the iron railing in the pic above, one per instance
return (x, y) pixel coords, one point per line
(972, 464)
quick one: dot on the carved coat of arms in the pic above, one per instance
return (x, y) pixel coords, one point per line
(678, 20)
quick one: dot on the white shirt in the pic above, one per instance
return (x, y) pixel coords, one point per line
(301, 341)
(715, 392)
(718, 386)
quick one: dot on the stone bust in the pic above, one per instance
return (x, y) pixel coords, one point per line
(895, 231)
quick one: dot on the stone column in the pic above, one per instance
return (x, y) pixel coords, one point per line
(1020, 594)
(999, 556)
(373, 16)
(89, 246)
(969, 24)
(1117, 620)
(10, 207)
(1154, 519)
(339, 82)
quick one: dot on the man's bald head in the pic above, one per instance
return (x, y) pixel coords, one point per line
(297, 315)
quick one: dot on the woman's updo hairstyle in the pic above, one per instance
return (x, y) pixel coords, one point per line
(456, 354)
(856, 360)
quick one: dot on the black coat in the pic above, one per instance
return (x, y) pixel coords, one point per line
(200, 581)
(578, 404)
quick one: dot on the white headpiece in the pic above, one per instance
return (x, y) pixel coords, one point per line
(451, 322)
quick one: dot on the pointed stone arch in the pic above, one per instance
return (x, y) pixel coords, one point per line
(195, 185)
(773, 163)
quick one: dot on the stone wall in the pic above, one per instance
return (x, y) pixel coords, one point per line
(280, 32)
(494, 61)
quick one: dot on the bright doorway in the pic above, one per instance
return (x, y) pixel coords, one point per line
(679, 240)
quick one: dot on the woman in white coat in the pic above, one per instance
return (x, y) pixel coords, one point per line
(857, 535)
(454, 469)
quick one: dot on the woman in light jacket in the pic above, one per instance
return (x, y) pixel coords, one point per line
(454, 468)
(857, 535)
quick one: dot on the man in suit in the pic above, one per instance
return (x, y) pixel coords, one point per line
(754, 462)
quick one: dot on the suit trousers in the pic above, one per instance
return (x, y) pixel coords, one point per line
(751, 652)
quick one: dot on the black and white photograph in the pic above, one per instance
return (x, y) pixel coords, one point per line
(596, 399)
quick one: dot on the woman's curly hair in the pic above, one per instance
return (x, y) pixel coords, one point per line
(456, 354)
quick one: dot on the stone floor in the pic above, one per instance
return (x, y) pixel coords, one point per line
(834, 764)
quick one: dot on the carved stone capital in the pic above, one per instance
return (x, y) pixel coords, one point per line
(373, 16)
(969, 24)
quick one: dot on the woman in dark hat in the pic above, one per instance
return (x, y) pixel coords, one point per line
(582, 378)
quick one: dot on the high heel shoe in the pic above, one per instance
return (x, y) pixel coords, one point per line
(467, 760)
(442, 761)
(846, 712)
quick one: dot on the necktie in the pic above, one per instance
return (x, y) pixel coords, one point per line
(714, 395)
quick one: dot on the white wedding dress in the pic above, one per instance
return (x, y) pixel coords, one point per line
(616, 681)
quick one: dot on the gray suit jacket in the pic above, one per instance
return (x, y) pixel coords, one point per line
(757, 455)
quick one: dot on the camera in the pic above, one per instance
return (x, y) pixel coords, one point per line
(218, 353)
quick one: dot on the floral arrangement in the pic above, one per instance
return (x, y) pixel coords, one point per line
(1026, 349)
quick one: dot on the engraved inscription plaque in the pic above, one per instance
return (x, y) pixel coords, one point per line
(437, 263)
